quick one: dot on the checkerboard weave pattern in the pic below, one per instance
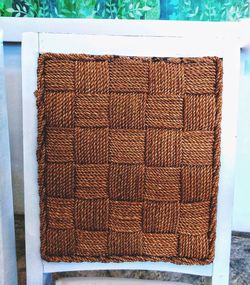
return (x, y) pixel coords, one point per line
(128, 154)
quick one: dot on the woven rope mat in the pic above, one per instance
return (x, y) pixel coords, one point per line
(128, 154)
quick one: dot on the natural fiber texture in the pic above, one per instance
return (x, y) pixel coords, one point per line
(128, 154)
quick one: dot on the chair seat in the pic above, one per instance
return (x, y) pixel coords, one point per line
(111, 281)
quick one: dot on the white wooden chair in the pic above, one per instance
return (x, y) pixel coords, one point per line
(8, 270)
(144, 44)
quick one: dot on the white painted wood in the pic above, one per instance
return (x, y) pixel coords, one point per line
(141, 46)
(231, 67)
(241, 214)
(13, 86)
(34, 266)
(122, 45)
(14, 27)
(112, 281)
(205, 270)
(8, 269)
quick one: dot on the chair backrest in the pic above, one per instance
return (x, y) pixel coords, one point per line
(164, 46)
(8, 273)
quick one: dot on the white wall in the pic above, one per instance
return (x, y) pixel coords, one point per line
(241, 220)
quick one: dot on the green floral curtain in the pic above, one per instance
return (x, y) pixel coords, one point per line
(194, 10)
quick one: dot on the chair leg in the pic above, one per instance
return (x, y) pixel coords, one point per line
(39, 278)
(218, 278)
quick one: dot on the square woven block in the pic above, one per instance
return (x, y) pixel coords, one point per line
(60, 145)
(125, 243)
(196, 183)
(91, 243)
(126, 182)
(166, 79)
(128, 154)
(163, 147)
(127, 111)
(59, 75)
(132, 77)
(60, 180)
(163, 184)
(160, 217)
(127, 146)
(91, 214)
(200, 78)
(60, 213)
(92, 77)
(125, 216)
(62, 242)
(160, 245)
(91, 145)
(59, 109)
(197, 148)
(92, 110)
(194, 218)
(194, 246)
(165, 113)
(199, 112)
(91, 181)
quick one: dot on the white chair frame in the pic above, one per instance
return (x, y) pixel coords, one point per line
(8, 269)
(33, 44)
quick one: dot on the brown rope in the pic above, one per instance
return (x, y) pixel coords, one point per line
(128, 154)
